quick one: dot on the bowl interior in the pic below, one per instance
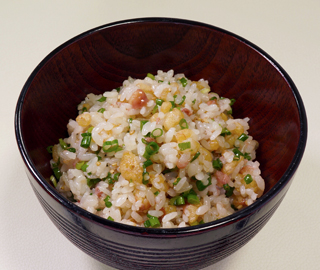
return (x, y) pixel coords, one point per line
(103, 58)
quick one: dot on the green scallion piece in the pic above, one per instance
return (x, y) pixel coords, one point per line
(53, 180)
(92, 181)
(150, 76)
(71, 149)
(147, 223)
(159, 101)
(118, 89)
(213, 98)
(155, 109)
(49, 149)
(232, 101)
(154, 221)
(201, 186)
(156, 193)
(243, 137)
(86, 138)
(228, 189)
(183, 81)
(57, 173)
(217, 164)
(183, 99)
(177, 200)
(177, 181)
(160, 81)
(151, 149)
(225, 132)
(107, 202)
(111, 146)
(63, 144)
(84, 167)
(142, 123)
(184, 145)
(102, 99)
(110, 218)
(237, 154)
(183, 124)
(130, 120)
(145, 177)
(195, 157)
(158, 132)
(101, 110)
(147, 163)
(194, 101)
(193, 199)
(248, 179)
(247, 156)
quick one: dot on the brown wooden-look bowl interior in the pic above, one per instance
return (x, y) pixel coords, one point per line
(102, 59)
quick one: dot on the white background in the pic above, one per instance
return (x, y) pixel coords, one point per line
(287, 30)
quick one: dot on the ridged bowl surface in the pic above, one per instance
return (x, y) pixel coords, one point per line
(100, 60)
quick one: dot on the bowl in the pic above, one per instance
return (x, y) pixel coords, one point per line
(100, 60)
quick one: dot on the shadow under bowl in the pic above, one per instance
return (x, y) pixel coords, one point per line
(100, 60)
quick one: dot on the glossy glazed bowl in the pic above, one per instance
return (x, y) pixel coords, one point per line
(100, 60)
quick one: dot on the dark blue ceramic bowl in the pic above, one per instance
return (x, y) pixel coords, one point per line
(99, 60)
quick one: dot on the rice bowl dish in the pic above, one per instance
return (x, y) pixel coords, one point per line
(160, 152)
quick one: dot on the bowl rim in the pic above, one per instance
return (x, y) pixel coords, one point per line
(160, 232)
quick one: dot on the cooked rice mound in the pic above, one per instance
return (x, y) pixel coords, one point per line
(164, 152)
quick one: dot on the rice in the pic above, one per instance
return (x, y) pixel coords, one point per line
(164, 152)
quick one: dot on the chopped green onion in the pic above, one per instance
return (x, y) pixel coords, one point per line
(111, 146)
(237, 154)
(200, 184)
(57, 173)
(217, 164)
(229, 112)
(118, 89)
(177, 181)
(79, 165)
(160, 81)
(193, 199)
(151, 149)
(49, 149)
(159, 101)
(84, 109)
(53, 180)
(101, 110)
(71, 149)
(178, 200)
(107, 202)
(248, 179)
(145, 177)
(213, 98)
(150, 76)
(156, 131)
(110, 218)
(228, 189)
(111, 179)
(243, 137)
(183, 81)
(156, 193)
(205, 90)
(92, 181)
(147, 163)
(63, 144)
(173, 105)
(142, 123)
(232, 101)
(247, 156)
(130, 120)
(155, 109)
(194, 101)
(84, 167)
(154, 221)
(86, 138)
(195, 156)
(147, 223)
(225, 132)
(184, 145)
(102, 99)
(183, 124)
(194, 223)
(186, 193)
(183, 99)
